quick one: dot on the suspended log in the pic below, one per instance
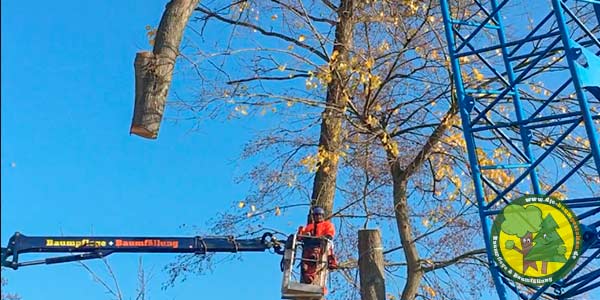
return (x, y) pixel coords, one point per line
(154, 70)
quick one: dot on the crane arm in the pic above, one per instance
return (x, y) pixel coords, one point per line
(89, 247)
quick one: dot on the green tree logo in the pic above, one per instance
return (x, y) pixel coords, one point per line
(522, 222)
(549, 246)
(536, 240)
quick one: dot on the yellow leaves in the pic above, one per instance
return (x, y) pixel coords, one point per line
(384, 46)
(241, 204)
(301, 38)
(151, 34)
(375, 82)
(242, 109)
(325, 77)
(309, 81)
(442, 171)
(558, 195)
(364, 77)
(455, 139)
(419, 51)
(282, 67)
(498, 176)
(414, 7)
(334, 55)
(372, 121)
(385, 139)
(369, 63)
(478, 75)
(274, 17)
(251, 212)
(392, 147)
(243, 6)
(310, 162)
(535, 88)
(313, 162)
(429, 290)
(309, 84)
(377, 107)
(277, 211)
(500, 153)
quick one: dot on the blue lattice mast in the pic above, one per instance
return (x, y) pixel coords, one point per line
(527, 76)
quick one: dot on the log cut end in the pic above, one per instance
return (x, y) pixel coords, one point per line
(143, 132)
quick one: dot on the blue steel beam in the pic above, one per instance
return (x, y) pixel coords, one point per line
(554, 38)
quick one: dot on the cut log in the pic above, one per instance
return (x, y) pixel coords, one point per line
(147, 115)
(154, 70)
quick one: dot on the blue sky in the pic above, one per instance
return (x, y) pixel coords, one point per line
(69, 166)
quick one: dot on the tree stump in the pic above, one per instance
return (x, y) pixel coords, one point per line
(370, 265)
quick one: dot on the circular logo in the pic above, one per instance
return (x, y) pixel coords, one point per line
(536, 240)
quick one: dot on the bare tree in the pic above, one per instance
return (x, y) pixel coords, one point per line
(370, 79)
(6, 295)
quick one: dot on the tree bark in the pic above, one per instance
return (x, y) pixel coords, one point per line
(400, 178)
(414, 271)
(330, 140)
(154, 70)
(370, 265)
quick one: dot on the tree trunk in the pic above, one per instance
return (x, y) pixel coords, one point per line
(330, 140)
(154, 71)
(414, 271)
(370, 265)
(400, 177)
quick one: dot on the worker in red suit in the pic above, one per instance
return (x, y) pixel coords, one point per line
(319, 227)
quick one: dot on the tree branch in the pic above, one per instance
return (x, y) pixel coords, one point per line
(446, 263)
(210, 14)
(267, 78)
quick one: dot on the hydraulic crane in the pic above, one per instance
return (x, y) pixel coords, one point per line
(97, 247)
(92, 247)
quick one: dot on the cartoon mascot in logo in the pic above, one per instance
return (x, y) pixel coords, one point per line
(546, 246)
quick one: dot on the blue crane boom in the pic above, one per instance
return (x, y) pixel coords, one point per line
(90, 247)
